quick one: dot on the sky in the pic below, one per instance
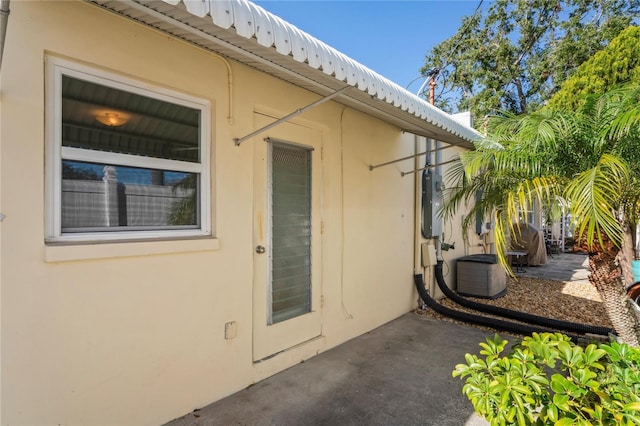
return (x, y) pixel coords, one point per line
(389, 37)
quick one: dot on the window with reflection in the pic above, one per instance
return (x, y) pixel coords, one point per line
(125, 161)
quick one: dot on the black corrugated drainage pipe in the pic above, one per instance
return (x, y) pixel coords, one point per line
(498, 324)
(517, 315)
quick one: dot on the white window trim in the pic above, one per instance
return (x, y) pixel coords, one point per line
(55, 68)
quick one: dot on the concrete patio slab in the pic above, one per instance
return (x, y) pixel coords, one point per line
(397, 374)
(561, 267)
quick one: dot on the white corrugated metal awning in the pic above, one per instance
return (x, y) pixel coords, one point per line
(245, 32)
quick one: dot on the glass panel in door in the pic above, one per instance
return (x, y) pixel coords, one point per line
(290, 231)
(287, 252)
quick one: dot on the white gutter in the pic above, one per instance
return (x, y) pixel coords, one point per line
(4, 18)
(242, 31)
(254, 23)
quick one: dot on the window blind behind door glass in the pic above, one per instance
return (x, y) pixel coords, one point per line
(291, 231)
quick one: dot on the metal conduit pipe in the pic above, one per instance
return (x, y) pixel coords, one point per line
(517, 315)
(4, 19)
(495, 323)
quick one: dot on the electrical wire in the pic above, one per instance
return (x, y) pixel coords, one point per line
(446, 61)
(434, 72)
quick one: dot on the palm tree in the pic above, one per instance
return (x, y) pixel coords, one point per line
(183, 210)
(591, 158)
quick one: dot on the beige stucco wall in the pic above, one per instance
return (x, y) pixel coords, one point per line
(133, 333)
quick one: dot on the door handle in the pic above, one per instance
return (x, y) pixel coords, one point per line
(260, 249)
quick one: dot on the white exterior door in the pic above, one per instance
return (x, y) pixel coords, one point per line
(287, 258)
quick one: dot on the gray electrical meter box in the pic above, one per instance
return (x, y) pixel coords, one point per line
(432, 198)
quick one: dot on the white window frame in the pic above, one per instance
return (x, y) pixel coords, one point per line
(55, 153)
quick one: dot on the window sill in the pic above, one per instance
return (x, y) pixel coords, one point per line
(62, 252)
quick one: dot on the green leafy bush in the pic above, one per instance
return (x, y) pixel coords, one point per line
(548, 380)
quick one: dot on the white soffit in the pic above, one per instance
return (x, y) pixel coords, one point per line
(245, 32)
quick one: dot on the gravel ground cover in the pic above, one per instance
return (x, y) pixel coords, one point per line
(575, 301)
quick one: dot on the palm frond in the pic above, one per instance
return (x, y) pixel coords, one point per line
(595, 196)
(534, 132)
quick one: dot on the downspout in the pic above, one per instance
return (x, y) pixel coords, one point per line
(417, 207)
(433, 287)
(4, 19)
(419, 241)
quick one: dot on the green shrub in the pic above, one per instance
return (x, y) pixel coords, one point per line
(548, 380)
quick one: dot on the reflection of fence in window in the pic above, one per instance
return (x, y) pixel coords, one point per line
(99, 204)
